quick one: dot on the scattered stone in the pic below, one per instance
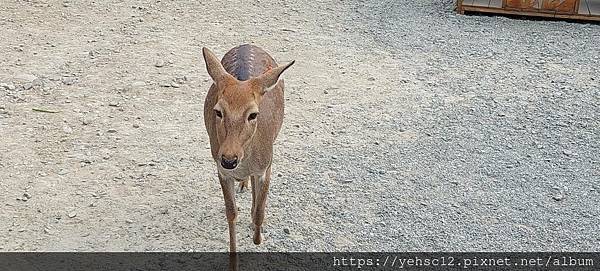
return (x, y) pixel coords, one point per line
(8, 86)
(558, 197)
(135, 125)
(69, 80)
(568, 153)
(175, 85)
(111, 131)
(286, 230)
(113, 104)
(347, 180)
(27, 86)
(129, 221)
(46, 230)
(159, 63)
(26, 195)
(279, 175)
(165, 84)
(72, 214)
(138, 84)
(25, 77)
(371, 78)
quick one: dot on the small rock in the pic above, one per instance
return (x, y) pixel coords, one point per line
(371, 78)
(501, 114)
(25, 77)
(86, 121)
(286, 230)
(47, 231)
(165, 84)
(68, 80)
(7, 86)
(558, 197)
(135, 125)
(347, 180)
(26, 195)
(159, 63)
(175, 85)
(279, 175)
(27, 86)
(113, 104)
(72, 214)
(111, 131)
(568, 153)
(138, 84)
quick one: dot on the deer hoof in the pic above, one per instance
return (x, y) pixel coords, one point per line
(257, 236)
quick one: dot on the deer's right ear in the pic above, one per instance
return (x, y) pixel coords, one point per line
(213, 66)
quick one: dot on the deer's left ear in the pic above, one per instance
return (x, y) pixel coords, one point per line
(268, 80)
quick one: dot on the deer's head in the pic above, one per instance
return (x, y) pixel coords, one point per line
(236, 112)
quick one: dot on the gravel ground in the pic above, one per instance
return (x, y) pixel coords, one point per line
(408, 127)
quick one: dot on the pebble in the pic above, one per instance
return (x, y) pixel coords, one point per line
(46, 231)
(26, 195)
(138, 84)
(558, 197)
(175, 85)
(286, 230)
(159, 63)
(113, 104)
(135, 125)
(72, 214)
(26, 77)
(111, 131)
(68, 80)
(8, 86)
(568, 153)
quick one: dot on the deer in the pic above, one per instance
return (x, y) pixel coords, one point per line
(243, 114)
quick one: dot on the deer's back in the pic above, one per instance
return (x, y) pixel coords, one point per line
(247, 61)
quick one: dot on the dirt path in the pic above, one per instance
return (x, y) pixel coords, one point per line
(401, 133)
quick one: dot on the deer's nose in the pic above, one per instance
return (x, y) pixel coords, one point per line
(229, 163)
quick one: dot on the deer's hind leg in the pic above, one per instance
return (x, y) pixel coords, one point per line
(244, 184)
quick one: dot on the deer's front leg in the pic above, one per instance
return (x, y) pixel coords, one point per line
(261, 189)
(227, 185)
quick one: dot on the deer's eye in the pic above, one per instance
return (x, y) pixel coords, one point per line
(252, 116)
(218, 113)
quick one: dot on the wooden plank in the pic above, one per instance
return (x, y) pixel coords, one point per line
(522, 4)
(583, 8)
(594, 7)
(495, 4)
(481, 3)
(561, 6)
(530, 13)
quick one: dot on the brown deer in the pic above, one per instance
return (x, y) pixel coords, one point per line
(243, 113)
